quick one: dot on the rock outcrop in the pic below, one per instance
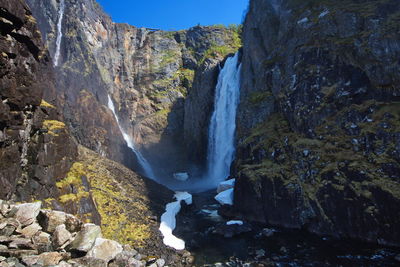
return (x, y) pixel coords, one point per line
(148, 73)
(318, 125)
(35, 146)
(82, 243)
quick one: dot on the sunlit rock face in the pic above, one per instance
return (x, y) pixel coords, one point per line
(318, 124)
(148, 73)
(35, 145)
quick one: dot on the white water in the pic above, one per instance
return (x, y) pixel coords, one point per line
(59, 32)
(168, 220)
(221, 147)
(148, 171)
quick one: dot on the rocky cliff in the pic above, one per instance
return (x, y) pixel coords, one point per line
(318, 125)
(147, 72)
(35, 146)
(40, 160)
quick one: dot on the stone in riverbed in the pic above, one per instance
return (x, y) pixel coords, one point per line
(86, 237)
(105, 249)
(26, 213)
(181, 176)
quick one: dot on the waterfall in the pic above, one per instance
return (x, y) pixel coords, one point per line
(148, 171)
(59, 32)
(221, 147)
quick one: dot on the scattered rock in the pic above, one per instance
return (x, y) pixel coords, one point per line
(61, 235)
(50, 258)
(30, 230)
(105, 249)
(26, 213)
(50, 219)
(85, 238)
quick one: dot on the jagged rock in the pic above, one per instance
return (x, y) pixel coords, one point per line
(105, 249)
(21, 243)
(86, 237)
(30, 230)
(61, 236)
(8, 226)
(49, 258)
(64, 264)
(42, 241)
(72, 223)
(50, 219)
(160, 262)
(86, 261)
(27, 213)
(30, 260)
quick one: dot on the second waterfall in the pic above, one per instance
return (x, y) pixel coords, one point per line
(221, 145)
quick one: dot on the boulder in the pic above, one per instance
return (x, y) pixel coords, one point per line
(49, 258)
(50, 219)
(72, 223)
(86, 237)
(88, 261)
(30, 230)
(26, 213)
(105, 249)
(61, 235)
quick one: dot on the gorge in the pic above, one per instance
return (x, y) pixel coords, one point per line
(300, 105)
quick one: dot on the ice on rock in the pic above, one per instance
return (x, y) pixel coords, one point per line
(168, 220)
(225, 197)
(234, 222)
(225, 185)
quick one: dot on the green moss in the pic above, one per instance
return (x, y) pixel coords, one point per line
(46, 104)
(53, 126)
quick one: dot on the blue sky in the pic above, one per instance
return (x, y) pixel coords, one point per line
(175, 14)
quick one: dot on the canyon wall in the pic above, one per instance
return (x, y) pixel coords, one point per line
(148, 72)
(318, 124)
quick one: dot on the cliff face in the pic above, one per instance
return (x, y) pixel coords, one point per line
(148, 73)
(35, 146)
(318, 126)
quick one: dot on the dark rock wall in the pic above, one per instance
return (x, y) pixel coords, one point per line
(318, 123)
(35, 147)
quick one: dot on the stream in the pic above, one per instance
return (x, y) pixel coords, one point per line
(271, 247)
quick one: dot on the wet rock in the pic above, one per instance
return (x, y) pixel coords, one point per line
(86, 237)
(27, 213)
(229, 231)
(105, 249)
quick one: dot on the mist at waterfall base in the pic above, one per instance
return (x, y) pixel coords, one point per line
(221, 136)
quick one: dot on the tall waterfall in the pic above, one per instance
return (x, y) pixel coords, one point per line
(148, 171)
(221, 147)
(59, 32)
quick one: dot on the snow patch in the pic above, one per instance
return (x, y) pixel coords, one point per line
(233, 222)
(225, 197)
(225, 185)
(304, 20)
(323, 14)
(168, 220)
